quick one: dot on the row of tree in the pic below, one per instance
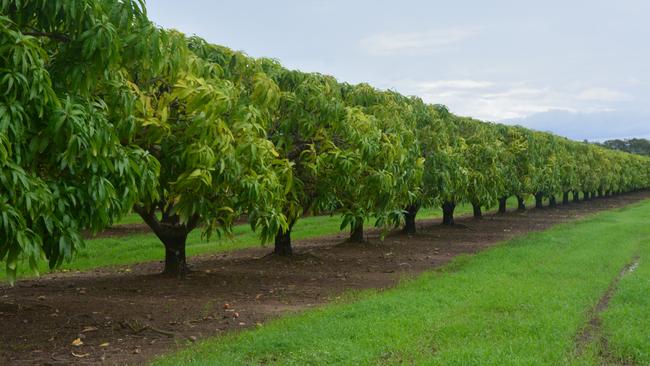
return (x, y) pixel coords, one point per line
(103, 113)
(634, 145)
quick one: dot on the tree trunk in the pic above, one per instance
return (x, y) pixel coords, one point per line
(551, 201)
(565, 198)
(175, 260)
(283, 243)
(173, 234)
(502, 204)
(477, 211)
(576, 196)
(356, 231)
(586, 196)
(539, 200)
(448, 213)
(521, 204)
(600, 193)
(409, 219)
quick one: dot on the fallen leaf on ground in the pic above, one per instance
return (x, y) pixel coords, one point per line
(77, 342)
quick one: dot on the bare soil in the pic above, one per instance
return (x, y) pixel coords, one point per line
(131, 314)
(120, 230)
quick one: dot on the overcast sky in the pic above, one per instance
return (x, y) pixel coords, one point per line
(577, 68)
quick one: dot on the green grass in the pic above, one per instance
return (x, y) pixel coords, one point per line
(521, 303)
(131, 218)
(107, 252)
(626, 321)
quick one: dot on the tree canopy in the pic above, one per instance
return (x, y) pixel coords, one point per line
(102, 112)
(633, 146)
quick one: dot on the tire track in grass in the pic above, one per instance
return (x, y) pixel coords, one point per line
(592, 334)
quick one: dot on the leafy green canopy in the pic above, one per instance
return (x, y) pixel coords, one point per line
(206, 125)
(66, 123)
(391, 167)
(101, 112)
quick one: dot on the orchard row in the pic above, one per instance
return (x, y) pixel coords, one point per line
(103, 113)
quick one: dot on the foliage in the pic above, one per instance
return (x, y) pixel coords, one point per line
(633, 146)
(66, 124)
(102, 112)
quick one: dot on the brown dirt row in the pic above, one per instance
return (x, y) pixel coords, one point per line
(130, 317)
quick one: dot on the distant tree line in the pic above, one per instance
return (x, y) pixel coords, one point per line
(634, 146)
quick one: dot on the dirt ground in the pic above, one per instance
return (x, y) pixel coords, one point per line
(131, 314)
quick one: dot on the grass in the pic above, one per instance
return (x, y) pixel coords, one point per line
(521, 303)
(626, 321)
(137, 248)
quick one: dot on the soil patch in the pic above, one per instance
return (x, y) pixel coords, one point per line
(130, 315)
(119, 231)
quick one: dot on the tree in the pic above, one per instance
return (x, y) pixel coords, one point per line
(102, 112)
(633, 146)
(545, 173)
(483, 163)
(514, 165)
(319, 135)
(446, 176)
(205, 124)
(391, 160)
(68, 161)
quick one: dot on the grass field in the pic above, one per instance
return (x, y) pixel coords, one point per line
(136, 248)
(522, 303)
(626, 322)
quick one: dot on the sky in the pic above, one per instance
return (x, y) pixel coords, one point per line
(577, 68)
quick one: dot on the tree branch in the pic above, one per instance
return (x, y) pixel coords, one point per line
(193, 222)
(149, 217)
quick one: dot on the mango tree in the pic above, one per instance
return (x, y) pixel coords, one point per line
(514, 165)
(483, 162)
(545, 173)
(446, 176)
(66, 128)
(568, 169)
(318, 134)
(205, 124)
(391, 160)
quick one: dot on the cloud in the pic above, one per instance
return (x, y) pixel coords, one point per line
(496, 101)
(602, 94)
(485, 99)
(597, 125)
(454, 84)
(425, 41)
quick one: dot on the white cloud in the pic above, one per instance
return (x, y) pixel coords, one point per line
(516, 92)
(454, 84)
(494, 101)
(390, 43)
(602, 94)
(485, 99)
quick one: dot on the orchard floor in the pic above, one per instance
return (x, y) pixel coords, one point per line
(130, 315)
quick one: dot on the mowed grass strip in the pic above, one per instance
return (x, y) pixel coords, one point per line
(521, 303)
(626, 321)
